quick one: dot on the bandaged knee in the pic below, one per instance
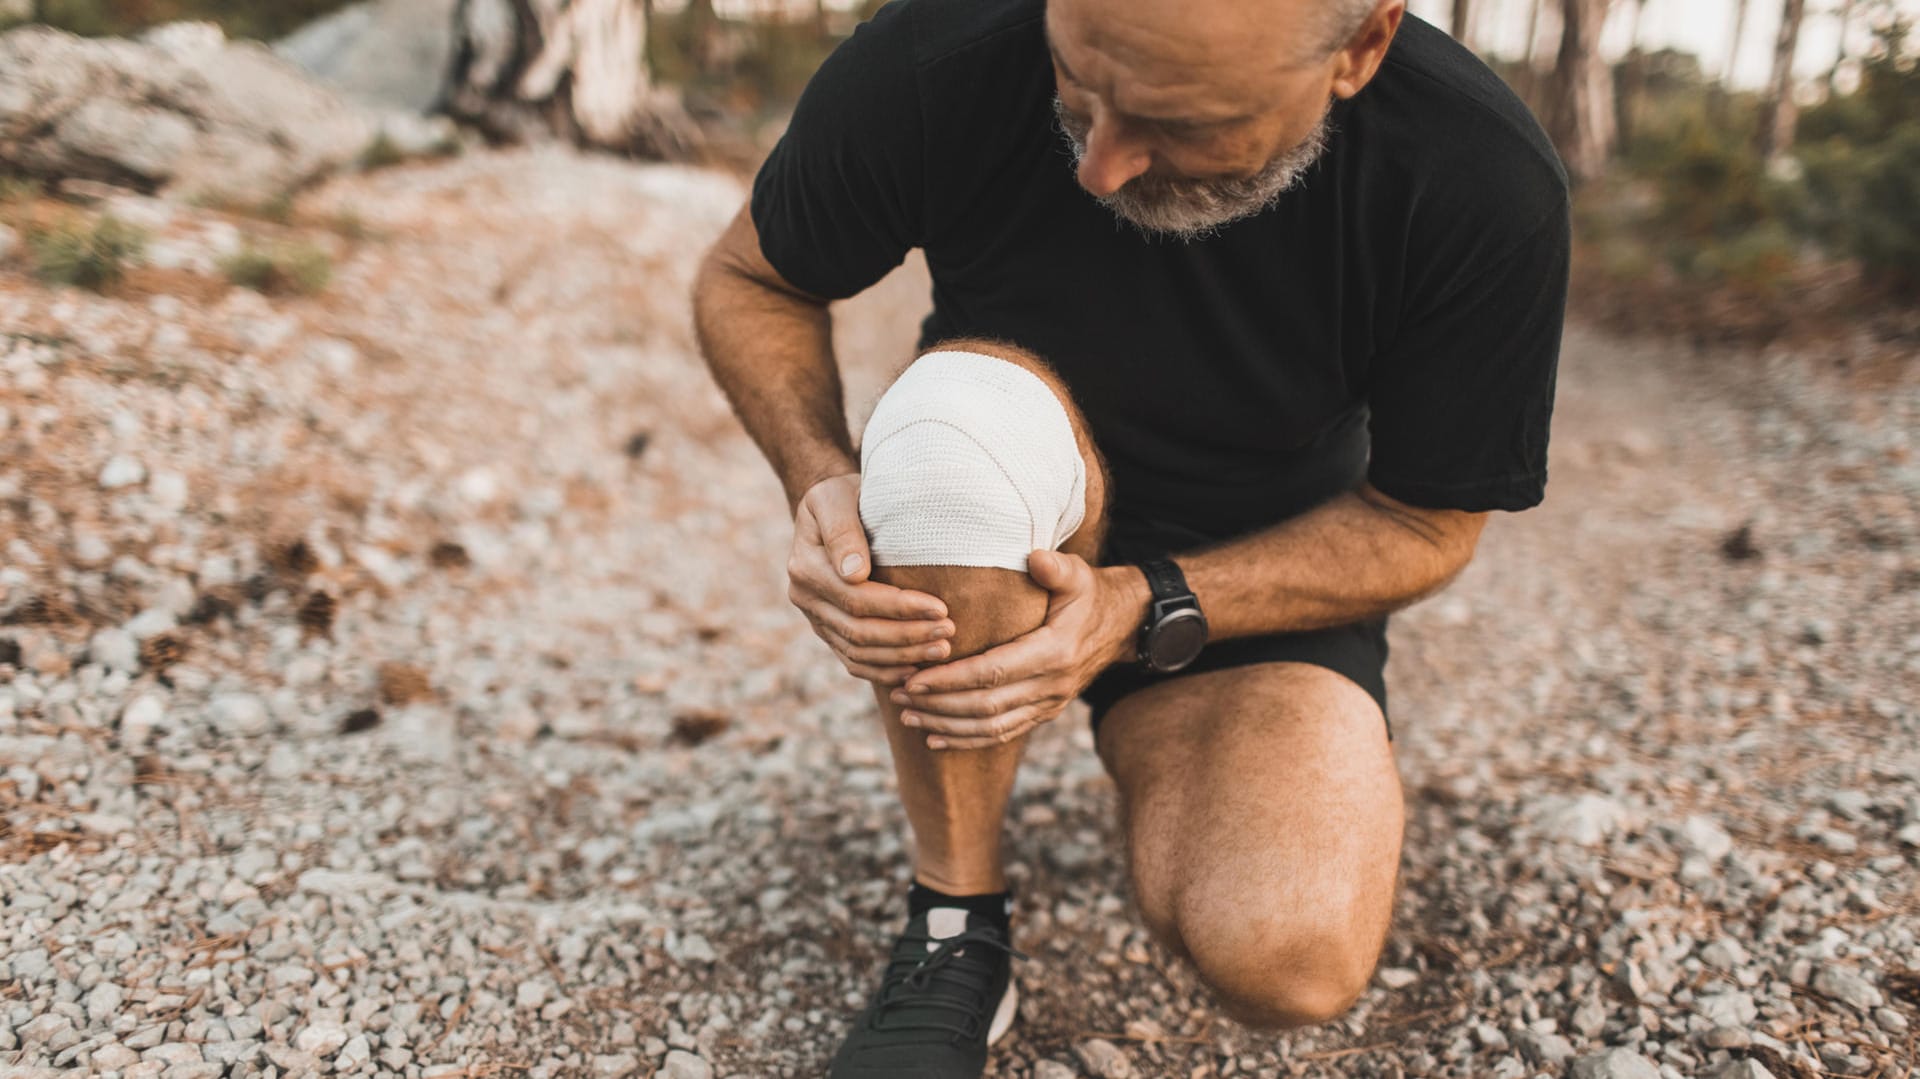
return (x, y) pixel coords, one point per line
(969, 460)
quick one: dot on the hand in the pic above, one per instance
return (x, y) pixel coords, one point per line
(1093, 617)
(881, 633)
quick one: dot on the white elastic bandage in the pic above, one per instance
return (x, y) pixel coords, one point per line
(969, 461)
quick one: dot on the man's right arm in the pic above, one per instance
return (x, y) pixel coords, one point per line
(770, 347)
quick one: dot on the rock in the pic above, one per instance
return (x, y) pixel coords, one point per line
(1890, 1021)
(530, 994)
(1732, 1009)
(240, 715)
(1590, 1018)
(1053, 1069)
(1725, 953)
(1614, 1064)
(1727, 1038)
(168, 491)
(116, 650)
(1543, 1050)
(120, 470)
(321, 1038)
(681, 1064)
(141, 716)
(1847, 987)
(1745, 1068)
(1103, 1059)
(184, 112)
(356, 1052)
(1586, 820)
(694, 948)
(1396, 977)
(1702, 835)
(389, 53)
(616, 1066)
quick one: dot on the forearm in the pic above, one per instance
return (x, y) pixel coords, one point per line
(1357, 557)
(771, 351)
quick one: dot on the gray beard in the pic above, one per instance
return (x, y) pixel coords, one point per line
(1195, 209)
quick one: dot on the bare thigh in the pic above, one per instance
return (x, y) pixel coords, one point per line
(1264, 821)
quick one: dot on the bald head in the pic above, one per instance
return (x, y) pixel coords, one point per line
(1190, 95)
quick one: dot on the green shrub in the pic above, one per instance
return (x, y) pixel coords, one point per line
(88, 256)
(295, 268)
(381, 153)
(1861, 157)
(18, 189)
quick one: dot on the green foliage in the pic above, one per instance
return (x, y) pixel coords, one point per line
(18, 189)
(295, 268)
(736, 67)
(381, 153)
(1690, 193)
(1861, 156)
(94, 256)
(265, 19)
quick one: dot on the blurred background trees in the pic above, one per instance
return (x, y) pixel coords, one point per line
(1798, 177)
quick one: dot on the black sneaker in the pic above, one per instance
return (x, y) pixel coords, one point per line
(947, 995)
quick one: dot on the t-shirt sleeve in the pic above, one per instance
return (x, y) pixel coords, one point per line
(840, 200)
(1461, 397)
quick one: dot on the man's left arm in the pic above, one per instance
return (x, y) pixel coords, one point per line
(1354, 558)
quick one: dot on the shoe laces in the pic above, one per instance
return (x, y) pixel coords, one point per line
(923, 986)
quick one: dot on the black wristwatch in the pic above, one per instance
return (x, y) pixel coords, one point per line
(1175, 630)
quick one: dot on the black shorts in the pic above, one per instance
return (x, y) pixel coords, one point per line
(1358, 651)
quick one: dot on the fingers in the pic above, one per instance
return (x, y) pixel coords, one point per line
(895, 655)
(1024, 657)
(835, 507)
(946, 733)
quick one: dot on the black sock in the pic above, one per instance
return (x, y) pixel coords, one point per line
(994, 907)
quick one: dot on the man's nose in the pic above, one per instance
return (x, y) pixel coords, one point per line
(1113, 157)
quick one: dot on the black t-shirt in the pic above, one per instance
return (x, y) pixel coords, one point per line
(1396, 317)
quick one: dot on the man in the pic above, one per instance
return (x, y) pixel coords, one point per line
(1248, 314)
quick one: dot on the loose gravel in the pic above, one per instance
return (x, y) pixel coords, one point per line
(399, 681)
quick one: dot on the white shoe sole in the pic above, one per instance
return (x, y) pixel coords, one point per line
(1003, 1015)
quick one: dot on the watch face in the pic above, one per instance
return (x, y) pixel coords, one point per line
(1177, 640)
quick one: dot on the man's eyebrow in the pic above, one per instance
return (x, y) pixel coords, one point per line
(1172, 123)
(1060, 63)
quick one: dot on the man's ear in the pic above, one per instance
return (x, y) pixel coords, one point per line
(1356, 63)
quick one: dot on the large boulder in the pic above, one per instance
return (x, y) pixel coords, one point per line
(390, 54)
(183, 112)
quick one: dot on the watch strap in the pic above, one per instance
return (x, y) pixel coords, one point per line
(1165, 579)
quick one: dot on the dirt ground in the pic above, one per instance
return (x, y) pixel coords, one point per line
(551, 780)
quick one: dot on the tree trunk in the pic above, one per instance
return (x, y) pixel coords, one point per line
(1840, 51)
(1463, 22)
(1733, 41)
(1633, 78)
(1531, 55)
(526, 68)
(1778, 112)
(1580, 100)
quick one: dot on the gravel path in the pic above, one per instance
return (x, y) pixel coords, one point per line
(399, 682)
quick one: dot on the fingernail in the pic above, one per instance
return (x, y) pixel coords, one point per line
(936, 651)
(908, 719)
(936, 743)
(944, 631)
(897, 697)
(849, 564)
